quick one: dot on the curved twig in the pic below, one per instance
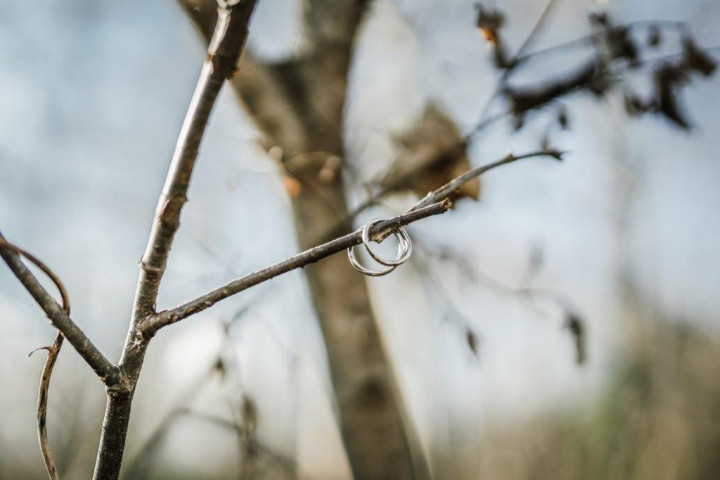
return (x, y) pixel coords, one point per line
(53, 352)
(43, 392)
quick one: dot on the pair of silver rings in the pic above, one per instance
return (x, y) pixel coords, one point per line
(403, 252)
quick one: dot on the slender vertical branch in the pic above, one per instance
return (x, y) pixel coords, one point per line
(223, 53)
(221, 63)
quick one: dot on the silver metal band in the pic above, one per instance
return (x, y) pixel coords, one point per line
(403, 253)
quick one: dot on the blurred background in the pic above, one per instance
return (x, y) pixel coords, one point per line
(564, 326)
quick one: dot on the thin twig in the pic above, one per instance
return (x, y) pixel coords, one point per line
(104, 368)
(434, 203)
(287, 462)
(514, 62)
(457, 182)
(461, 147)
(53, 352)
(537, 28)
(589, 39)
(300, 260)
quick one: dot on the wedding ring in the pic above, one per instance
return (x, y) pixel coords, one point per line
(403, 253)
(404, 245)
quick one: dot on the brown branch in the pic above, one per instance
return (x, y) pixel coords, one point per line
(104, 368)
(300, 260)
(266, 89)
(223, 53)
(433, 203)
(224, 50)
(53, 352)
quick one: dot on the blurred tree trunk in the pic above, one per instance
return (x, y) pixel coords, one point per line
(299, 105)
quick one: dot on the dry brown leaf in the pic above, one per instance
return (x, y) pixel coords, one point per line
(431, 153)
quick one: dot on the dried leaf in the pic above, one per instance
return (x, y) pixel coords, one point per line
(489, 21)
(621, 45)
(576, 326)
(600, 19)
(473, 342)
(220, 368)
(696, 58)
(431, 153)
(668, 79)
(562, 118)
(634, 106)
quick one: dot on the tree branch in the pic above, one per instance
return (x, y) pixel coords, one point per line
(458, 182)
(433, 203)
(300, 260)
(223, 53)
(11, 254)
(104, 368)
(227, 42)
(266, 89)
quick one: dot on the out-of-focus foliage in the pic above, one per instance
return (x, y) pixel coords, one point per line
(657, 418)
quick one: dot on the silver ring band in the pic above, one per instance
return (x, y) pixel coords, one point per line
(404, 245)
(403, 253)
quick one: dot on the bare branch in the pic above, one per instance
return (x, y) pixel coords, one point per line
(458, 182)
(264, 88)
(298, 261)
(223, 53)
(224, 50)
(434, 203)
(104, 368)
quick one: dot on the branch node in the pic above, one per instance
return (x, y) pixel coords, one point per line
(121, 387)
